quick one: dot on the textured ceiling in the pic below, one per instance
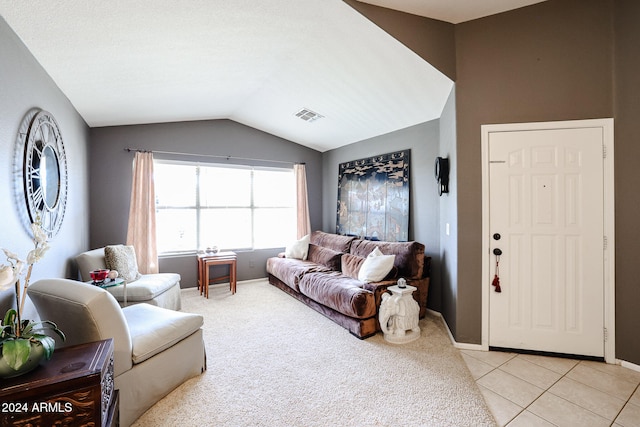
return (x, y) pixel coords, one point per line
(254, 62)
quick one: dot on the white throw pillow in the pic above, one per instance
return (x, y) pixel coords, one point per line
(376, 266)
(298, 249)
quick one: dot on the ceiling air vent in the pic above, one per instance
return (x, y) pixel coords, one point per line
(308, 115)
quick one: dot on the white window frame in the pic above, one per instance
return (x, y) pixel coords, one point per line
(199, 208)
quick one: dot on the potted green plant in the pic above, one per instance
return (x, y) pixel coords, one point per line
(23, 342)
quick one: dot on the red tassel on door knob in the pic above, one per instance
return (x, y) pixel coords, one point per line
(496, 283)
(496, 280)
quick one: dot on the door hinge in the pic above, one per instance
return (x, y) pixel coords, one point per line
(606, 334)
(604, 151)
(605, 242)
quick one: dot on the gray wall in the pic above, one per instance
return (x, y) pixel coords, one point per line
(111, 169)
(424, 201)
(25, 85)
(448, 254)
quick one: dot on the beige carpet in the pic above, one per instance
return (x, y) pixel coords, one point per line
(272, 361)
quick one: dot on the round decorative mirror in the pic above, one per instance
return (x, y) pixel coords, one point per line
(44, 171)
(50, 177)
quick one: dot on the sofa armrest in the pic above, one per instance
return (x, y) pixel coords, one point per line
(426, 270)
(379, 288)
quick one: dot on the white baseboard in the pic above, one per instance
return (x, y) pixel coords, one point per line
(239, 282)
(467, 346)
(261, 279)
(458, 345)
(629, 365)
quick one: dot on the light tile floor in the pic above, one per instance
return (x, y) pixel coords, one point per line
(528, 390)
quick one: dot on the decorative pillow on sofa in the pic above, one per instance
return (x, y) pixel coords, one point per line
(325, 256)
(376, 266)
(122, 259)
(351, 265)
(409, 260)
(298, 249)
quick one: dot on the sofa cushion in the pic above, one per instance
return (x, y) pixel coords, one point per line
(335, 242)
(154, 329)
(290, 270)
(122, 259)
(325, 256)
(146, 288)
(409, 255)
(339, 292)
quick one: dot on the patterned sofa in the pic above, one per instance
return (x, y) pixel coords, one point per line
(327, 280)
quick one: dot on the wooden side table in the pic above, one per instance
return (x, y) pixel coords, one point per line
(75, 387)
(206, 261)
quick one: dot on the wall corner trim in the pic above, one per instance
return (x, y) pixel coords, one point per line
(459, 346)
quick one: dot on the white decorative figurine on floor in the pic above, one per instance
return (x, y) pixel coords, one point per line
(399, 314)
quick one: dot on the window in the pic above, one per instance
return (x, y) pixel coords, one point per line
(231, 207)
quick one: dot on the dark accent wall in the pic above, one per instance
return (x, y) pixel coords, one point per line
(431, 39)
(25, 85)
(111, 172)
(550, 61)
(627, 179)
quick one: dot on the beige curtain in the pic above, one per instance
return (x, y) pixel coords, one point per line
(141, 232)
(302, 201)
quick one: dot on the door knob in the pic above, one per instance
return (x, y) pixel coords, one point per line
(497, 236)
(497, 252)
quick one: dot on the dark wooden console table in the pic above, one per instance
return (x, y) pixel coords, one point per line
(74, 388)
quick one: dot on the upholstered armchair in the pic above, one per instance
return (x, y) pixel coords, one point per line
(161, 289)
(155, 349)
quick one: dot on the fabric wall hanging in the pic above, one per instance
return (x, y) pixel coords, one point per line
(373, 197)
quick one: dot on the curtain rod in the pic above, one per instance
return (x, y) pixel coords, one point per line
(212, 155)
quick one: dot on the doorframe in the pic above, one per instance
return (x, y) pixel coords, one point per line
(609, 245)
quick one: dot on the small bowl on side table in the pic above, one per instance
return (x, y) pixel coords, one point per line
(99, 276)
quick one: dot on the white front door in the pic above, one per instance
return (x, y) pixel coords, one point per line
(546, 204)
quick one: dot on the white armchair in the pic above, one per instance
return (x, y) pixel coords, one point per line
(155, 349)
(161, 289)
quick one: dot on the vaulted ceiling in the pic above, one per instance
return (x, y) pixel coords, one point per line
(255, 62)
